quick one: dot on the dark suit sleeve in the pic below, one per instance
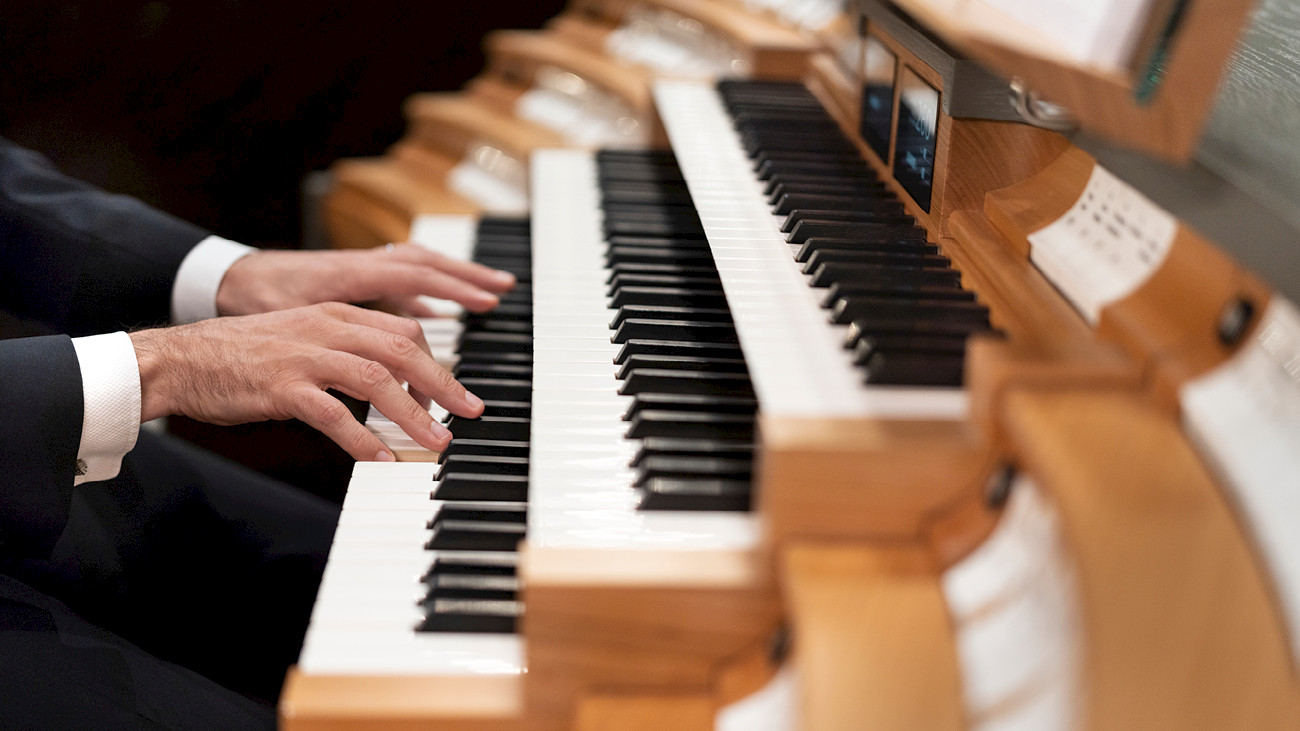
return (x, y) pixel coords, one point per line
(78, 259)
(39, 435)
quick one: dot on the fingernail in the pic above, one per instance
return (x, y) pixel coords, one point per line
(439, 431)
(472, 401)
(384, 456)
(505, 278)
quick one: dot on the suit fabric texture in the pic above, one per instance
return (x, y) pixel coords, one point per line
(174, 595)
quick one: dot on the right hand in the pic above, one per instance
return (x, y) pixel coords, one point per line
(277, 365)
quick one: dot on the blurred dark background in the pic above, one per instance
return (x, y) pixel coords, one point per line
(214, 111)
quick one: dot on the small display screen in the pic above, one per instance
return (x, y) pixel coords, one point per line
(914, 144)
(878, 68)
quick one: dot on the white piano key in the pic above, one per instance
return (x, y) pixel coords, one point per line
(798, 365)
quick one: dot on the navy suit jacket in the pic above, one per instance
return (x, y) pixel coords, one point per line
(80, 261)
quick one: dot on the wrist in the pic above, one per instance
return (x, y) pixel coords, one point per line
(151, 355)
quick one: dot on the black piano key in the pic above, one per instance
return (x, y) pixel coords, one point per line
(867, 231)
(483, 357)
(658, 242)
(914, 368)
(651, 227)
(678, 363)
(496, 342)
(847, 310)
(668, 297)
(903, 290)
(661, 466)
(823, 186)
(483, 585)
(841, 272)
(507, 428)
(658, 380)
(672, 447)
(632, 255)
(461, 529)
(689, 349)
(521, 327)
(743, 405)
(640, 173)
(628, 192)
(915, 246)
(503, 312)
(485, 447)
(686, 494)
(499, 389)
(865, 345)
(689, 425)
(497, 564)
(472, 615)
(791, 202)
(522, 409)
(799, 216)
(482, 486)
(669, 269)
(661, 281)
(879, 258)
(849, 170)
(688, 330)
(654, 312)
(887, 325)
(482, 464)
(480, 369)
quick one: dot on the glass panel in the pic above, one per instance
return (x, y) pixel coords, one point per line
(878, 67)
(918, 124)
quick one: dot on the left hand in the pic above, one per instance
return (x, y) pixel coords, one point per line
(267, 281)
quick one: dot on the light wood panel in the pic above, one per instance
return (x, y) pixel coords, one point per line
(1183, 631)
(873, 639)
(374, 200)
(1105, 101)
(772, 50)
(619, 622)
(401, 702)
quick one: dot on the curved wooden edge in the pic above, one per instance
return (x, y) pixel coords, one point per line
(873, 640)
(582, 30)
(453, 121)
(374, 200)
(624, 623)
(1172, 321)
(746, 29)
(496, 92)
(516, 55)
(846, 479)
(773, 50)
(1183, 631)
(653, 710)
(1020, 209)
(454, 703)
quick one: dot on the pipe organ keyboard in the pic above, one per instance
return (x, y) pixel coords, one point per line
(794, 427)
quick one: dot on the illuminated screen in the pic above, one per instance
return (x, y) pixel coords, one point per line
(914, 146)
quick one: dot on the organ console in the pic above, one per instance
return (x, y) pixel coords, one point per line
(864, 404)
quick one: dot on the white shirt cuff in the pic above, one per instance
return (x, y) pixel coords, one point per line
(110, 388)
(194, 296)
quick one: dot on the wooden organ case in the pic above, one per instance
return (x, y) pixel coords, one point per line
(1087, 531)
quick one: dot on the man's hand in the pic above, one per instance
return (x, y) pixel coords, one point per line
(266, 281)
(278, 365)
